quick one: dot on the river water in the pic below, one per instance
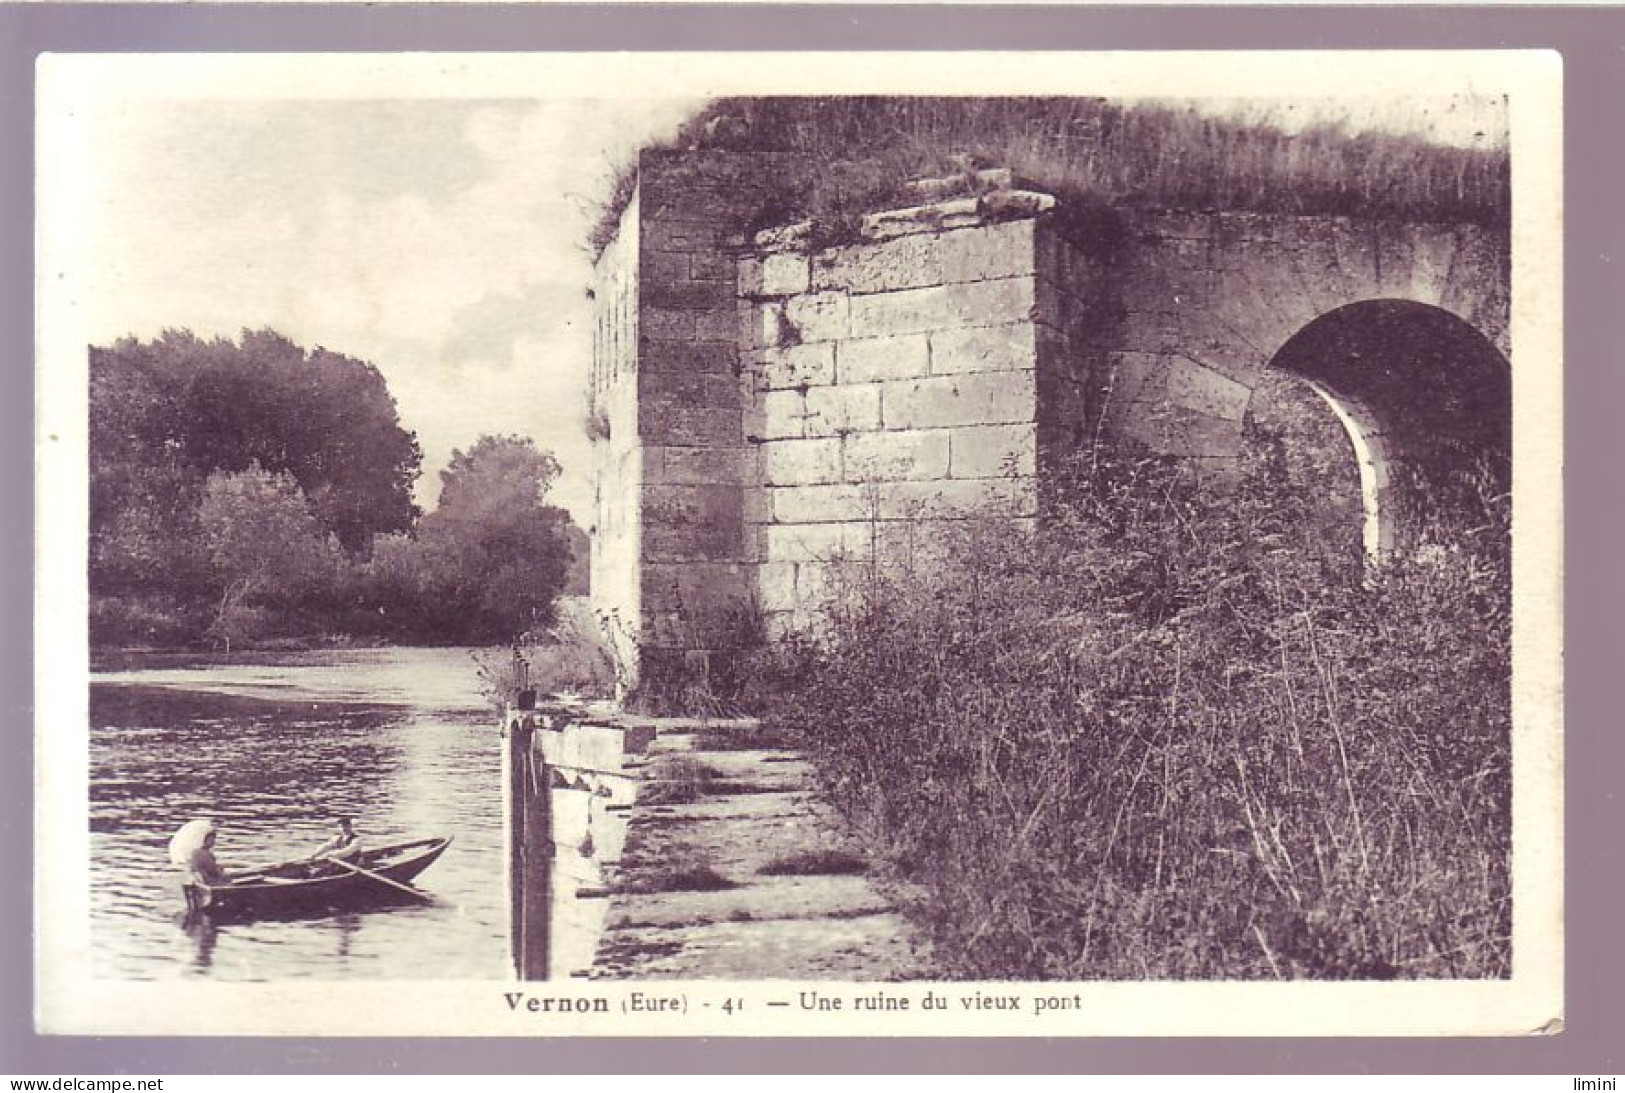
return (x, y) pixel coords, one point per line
(402, 739)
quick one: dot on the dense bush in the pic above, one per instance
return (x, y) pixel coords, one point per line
(251, 491)
(1180, 732)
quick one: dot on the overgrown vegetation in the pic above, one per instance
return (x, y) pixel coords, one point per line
(250, 492)
(855, 153)
(1182, 732)
(816, 863)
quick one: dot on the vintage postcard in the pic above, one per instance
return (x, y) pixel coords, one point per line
(799, 544)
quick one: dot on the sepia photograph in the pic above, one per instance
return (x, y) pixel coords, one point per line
(701, 545)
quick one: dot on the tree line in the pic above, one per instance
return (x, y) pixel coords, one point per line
(253, 491)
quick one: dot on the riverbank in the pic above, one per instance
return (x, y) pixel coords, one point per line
(696, 849)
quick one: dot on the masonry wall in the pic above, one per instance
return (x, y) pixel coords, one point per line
(780, 404)
(1201, 304)
(671, 504)
(898, 381)
(617, 448)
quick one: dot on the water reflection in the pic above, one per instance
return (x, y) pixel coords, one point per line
(204, 934)
(273, 771)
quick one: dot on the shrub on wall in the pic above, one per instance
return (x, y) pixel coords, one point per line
(1179, 732)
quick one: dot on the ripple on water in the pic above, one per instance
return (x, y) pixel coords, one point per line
(273, 771)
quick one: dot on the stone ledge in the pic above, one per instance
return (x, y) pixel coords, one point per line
(993, 207)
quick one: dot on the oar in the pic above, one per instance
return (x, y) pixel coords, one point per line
(380, 878)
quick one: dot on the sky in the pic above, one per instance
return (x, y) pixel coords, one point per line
(439, 239)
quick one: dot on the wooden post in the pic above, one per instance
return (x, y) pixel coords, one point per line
(530, 849)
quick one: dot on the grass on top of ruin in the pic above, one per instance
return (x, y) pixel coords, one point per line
(1182, 734)
(855, 154)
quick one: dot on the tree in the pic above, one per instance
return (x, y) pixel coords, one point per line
(266, 547)
(497, 551)
(165, 415)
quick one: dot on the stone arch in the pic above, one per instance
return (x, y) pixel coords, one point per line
(1424, 398)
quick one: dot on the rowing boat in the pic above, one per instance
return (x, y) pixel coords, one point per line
(302, 887)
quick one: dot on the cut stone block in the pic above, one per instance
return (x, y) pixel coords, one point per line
(901, 356)
(810, 365)
(816, 542)
(1198, 388)
(989, 398)
(906, 262)
(899, 454)
(801, 462)
(1008, 348)
(836, 411)
(818, 317)
(992, 451)
(819, 504)
(784, 274)
(784, 415)
(979, 254)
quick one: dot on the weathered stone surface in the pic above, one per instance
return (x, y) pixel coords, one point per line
(784, 274)
(956, 497)
(688, 294)
(719, 323)
(700, 466)
(819, 504)
(837, 411)
(713, 265)
(901, 356)
(821, 316)
(784, 415)
(906, 262)
(776, 585)
(655, 355)
(801, 462)
(712, 319)
(815, 542)
(1432, 256)
(667, 325)
(585, 747)
(1172, 430)
(691, 426)
(990, 398)
(992, 451)
(977, 303)
(809, 365)
(980, 254)
(766, 900)
(691, 389)
(664, 266)
(1006, 348)
(828, 947)
(765, 926)
(699, 522)
(897, 454)
(1196, 387)
(1130, 377)
(679, 235)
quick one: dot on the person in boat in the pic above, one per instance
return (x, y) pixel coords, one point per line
(345, 845)
(192, 849)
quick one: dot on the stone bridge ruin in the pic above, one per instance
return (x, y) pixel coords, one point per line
(769, 403)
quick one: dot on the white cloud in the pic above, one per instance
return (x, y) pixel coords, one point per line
(362, 226)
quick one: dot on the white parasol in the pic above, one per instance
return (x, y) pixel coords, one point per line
(188, 840)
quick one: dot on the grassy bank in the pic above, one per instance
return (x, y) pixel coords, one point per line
(1179, 733)
(854, 154)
